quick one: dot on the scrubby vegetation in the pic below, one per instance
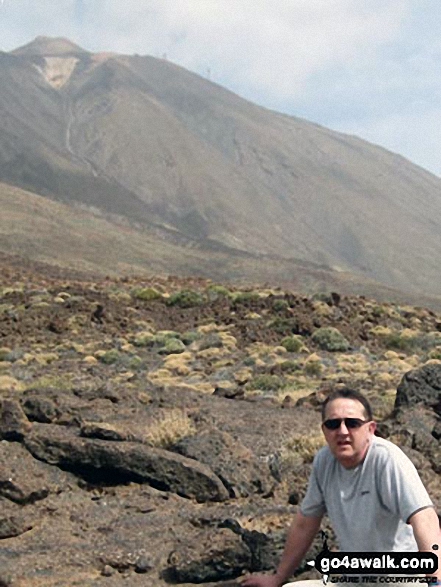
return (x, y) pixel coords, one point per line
(330, 339)
(214, 381)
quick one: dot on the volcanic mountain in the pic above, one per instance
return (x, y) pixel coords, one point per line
(161, 165)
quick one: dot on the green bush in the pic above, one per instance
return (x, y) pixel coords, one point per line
(292, 344)
(214, 292)
(398, 342)
(249, 361)
(378, 311)
(162, 336)
(110, 357)
(282, 325)
(146, 294)
(322, 297)
(142, 339)
(186, 298)
(242, 297)
(408, 340)
(136, 363)
(190, 336)
(330, 339)
(172, 346)
(290, 366)
(280, 305)
(313, 368)
(266, 382)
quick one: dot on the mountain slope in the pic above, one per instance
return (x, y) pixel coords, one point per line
(144, 139)
(54, 238)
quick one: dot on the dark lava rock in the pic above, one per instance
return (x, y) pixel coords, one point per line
(233, 393)
(23, 479)
(214, 556)
(240, 470)
(421, 385)
(144, 564)
(41, 409)
(118, 462)
(13, 421)
(414, 426)
(103, 430)
(436, 432)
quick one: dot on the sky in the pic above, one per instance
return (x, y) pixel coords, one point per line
(365, 67)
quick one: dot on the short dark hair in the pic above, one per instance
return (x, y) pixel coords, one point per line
(348, 393)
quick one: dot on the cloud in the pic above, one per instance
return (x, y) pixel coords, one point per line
(269, 47)
(354, 66)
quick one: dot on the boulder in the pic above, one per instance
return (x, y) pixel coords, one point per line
(422, 385)
(104, 431)
(240, 470)
(13, 421)
(118, 462)
(25, 480)
(414, 429)
(214, 555)
(39, 408)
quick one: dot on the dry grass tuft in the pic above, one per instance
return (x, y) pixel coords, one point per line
(61, 382)
(8, 383)
(172, 426)
(304, 446)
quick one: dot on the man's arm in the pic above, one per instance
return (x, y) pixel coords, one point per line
(300, 536)
(425, 525)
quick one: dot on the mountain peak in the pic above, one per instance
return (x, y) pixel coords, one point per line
(49, 46)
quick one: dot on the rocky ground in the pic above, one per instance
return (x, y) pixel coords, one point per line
(161, 432)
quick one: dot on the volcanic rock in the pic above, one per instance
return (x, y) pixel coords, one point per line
(421, 385)
(240, 470)
(118, 462)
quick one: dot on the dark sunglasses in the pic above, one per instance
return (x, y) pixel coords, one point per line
(350, 423)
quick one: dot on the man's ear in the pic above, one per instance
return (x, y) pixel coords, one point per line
(372, 427)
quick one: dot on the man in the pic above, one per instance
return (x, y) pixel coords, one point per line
(370, 490)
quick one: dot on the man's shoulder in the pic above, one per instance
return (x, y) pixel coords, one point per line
(383, 450)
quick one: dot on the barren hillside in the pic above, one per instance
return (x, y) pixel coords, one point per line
(140, 140)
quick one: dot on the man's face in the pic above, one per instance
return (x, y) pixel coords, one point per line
(348, 445)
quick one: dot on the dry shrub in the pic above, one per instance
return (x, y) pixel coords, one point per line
(322, 309)
(357, 363)
(169, 428)
(60, 382)
(383, 403)
(313, 366)
(296, 391)
(8, 383)
(304, 446)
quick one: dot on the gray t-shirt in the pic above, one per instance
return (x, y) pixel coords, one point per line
(370, 504)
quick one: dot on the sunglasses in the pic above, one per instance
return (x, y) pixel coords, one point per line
(350, 423)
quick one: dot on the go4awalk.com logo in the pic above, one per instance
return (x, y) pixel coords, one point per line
(366, 564)
(357, 563)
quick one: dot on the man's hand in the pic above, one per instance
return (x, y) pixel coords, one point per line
(262, 581)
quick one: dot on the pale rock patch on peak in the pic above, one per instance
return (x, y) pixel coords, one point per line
(57, 70)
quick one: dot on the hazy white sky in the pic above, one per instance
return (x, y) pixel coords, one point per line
(366, 67)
